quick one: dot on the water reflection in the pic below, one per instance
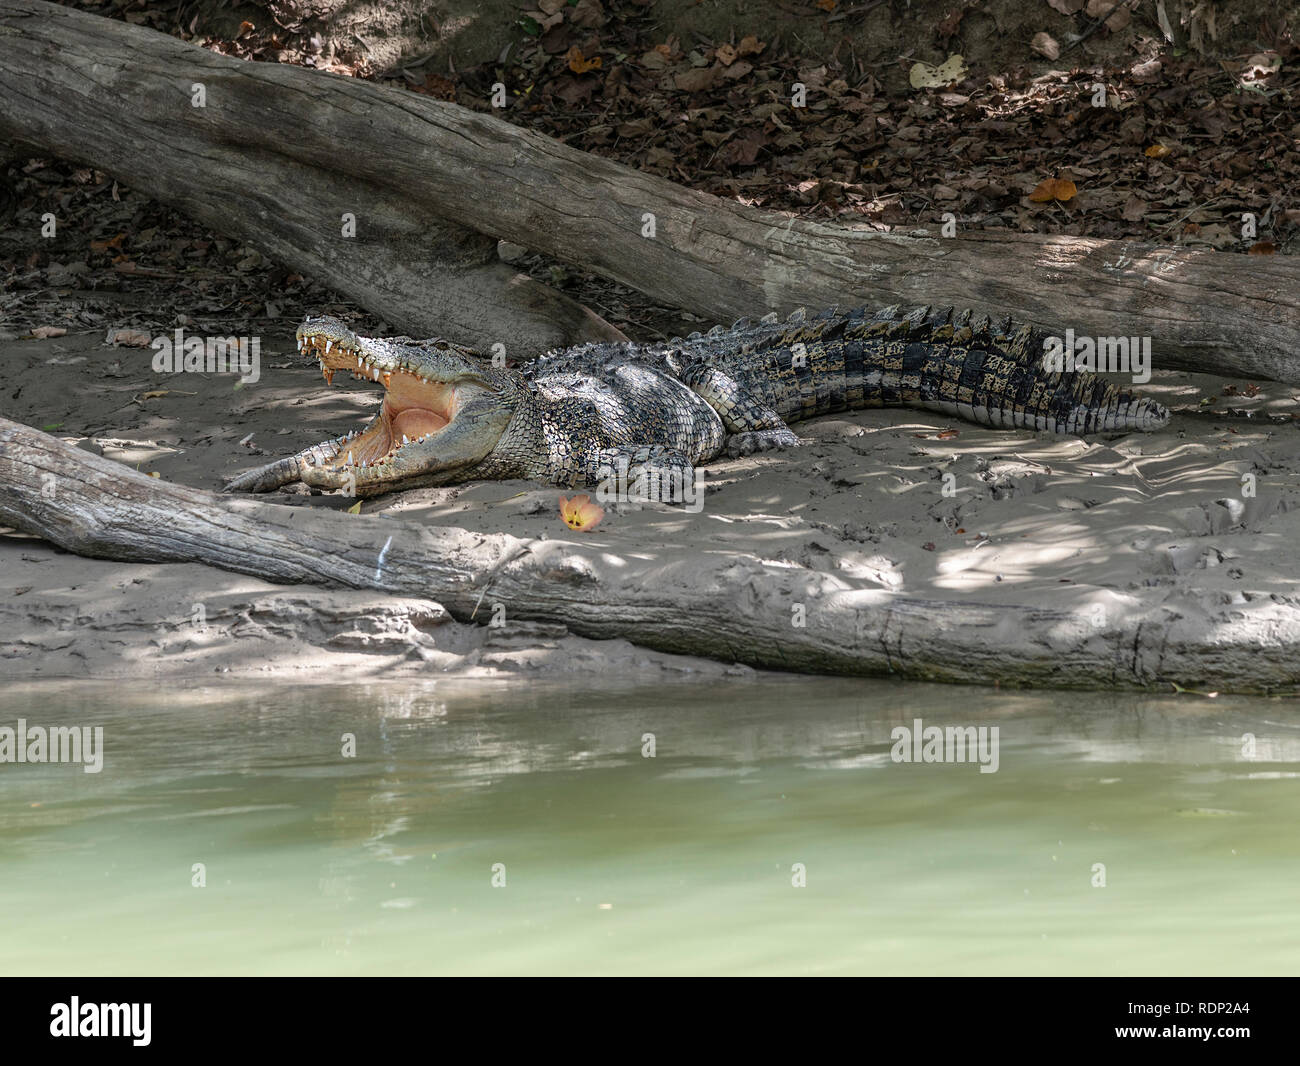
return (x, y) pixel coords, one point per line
(497, 828)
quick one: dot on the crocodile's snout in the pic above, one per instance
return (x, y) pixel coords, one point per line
(417, 405)
(325, 331)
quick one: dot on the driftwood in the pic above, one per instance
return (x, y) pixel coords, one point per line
(280, 152)
(728, 606)
(119, 98)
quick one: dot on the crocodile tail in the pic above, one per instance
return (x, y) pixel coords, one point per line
(991, 373)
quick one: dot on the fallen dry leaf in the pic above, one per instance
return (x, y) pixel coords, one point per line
(698, 79)
(42, 332)
(927, 76)
(580, 513)
(1146, 70)
(1135, 208)
(1053, 189)
(131, 338)
(1045, 45)
(1261, 65)
(948, 26)
(578, 63)
(587, 13)
(1117, 15)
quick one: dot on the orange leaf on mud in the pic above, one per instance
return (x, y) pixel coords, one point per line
(578, 64)
(580, 513)
(1262, 248)
(1053, 189)
(1158, 151)
(104, 246)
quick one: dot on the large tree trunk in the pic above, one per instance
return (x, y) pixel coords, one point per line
(279, 153)
(730, 606)
(119, 98)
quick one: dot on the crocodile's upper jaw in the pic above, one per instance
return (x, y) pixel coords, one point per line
(416, 408)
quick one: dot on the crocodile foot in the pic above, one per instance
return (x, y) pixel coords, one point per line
(760, 440)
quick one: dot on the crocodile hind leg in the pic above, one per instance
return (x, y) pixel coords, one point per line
(285, 471)
(751, 425)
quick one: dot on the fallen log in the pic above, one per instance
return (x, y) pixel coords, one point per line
(731, 606)
(120, 98)
(285, 151)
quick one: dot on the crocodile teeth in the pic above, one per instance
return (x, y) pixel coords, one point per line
(405, 439)
(328, 346)
(349, 458)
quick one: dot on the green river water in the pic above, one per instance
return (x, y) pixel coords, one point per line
(772, 832)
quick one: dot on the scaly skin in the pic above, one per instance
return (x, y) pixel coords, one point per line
(570, 417)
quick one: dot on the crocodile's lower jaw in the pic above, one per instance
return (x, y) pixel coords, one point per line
(414, 409)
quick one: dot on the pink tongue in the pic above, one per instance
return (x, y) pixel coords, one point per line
(416, 423)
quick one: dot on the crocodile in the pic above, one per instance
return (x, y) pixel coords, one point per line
(451, 414)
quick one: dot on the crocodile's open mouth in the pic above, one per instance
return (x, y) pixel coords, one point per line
(414, 408)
